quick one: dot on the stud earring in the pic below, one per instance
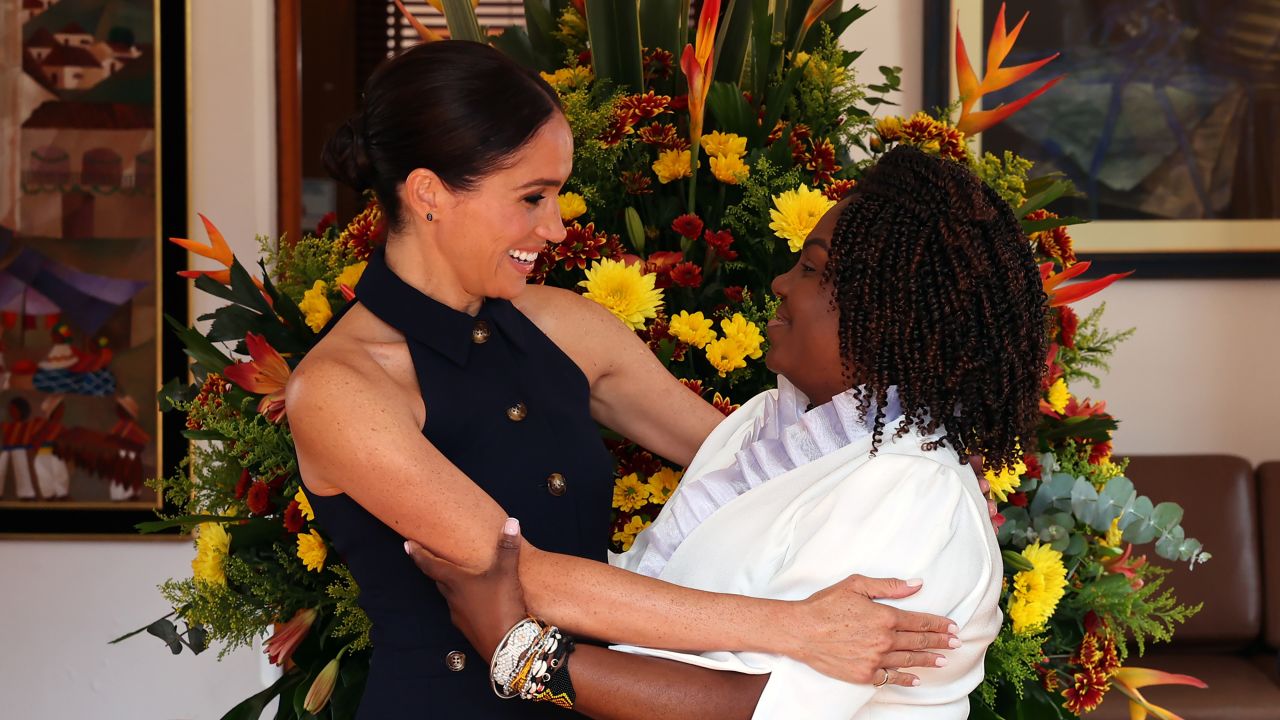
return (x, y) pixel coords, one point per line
(430, 217)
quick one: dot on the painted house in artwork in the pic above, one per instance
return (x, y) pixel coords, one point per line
(72, 67)
(88, 171)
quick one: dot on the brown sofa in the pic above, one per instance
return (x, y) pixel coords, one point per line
(1224, 645)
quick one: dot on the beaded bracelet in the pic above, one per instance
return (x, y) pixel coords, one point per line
(531, 663)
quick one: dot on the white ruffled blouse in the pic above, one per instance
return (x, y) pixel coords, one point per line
(780, 503)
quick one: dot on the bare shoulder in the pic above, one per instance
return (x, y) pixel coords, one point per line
(588, 333)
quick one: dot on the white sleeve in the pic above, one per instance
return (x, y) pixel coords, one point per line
(897, 516)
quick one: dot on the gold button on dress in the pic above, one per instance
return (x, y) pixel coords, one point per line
(556, 484)
(455, 660)
(480, 333)
(517, 412)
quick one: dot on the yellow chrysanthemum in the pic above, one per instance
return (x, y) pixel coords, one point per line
(795, 212)
(315, 305)
(566, 79)
(729, 169)
(572, 206)
(350, 275)
(1006, 481)
(623, 290)
(304, 505)
(629, 493)
(745, 333)
(663, 483)
(726, 355)
(627, 535)
(718, 144)
(1036, 592)
(1113, 536)
(692, 329)
(1059, 395)
(672, 165)
(213, 543)
(312, 551)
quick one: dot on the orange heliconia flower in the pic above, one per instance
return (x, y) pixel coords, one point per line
(1130, 679)
(280, 646)
(996, 78)
(1059, 296)
(696, 62)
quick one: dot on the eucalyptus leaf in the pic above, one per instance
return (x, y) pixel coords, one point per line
(1170, 542)
(251, 708)
(168, 632)
(1166, 516)
(1076, 546)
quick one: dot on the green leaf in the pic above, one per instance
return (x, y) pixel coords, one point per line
(208, 285)
(142, 629)
(734, 42)
(182, 521)
(613, 29)
(166, 631)
(1035, 202)
(514, 42)
(461, 18)
(1167, 515)
(257, 531)
(761, 48)
(660, 25)
(777, 98)
(542, 25)
(731, 111)
(251, 708)
(198, 346)
(841, 22)
(203, 435)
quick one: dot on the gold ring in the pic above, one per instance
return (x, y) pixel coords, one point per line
(885, 680)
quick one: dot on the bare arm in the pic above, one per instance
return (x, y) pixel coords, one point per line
(351, 435)
(632, 393)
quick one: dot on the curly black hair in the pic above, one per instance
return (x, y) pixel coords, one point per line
(939, 295)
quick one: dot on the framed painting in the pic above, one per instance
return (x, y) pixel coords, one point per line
(1165, 118)
(92, 180)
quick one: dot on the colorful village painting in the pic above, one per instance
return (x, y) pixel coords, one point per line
(78, 253)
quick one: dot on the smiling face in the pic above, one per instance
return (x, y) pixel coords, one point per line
(495, 231)
(804, 334)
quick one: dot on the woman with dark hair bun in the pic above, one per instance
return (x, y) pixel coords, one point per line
(452, 395)
(910, 335)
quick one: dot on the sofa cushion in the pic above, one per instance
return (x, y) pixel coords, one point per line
(1269, 516)
(1219, 497)
(1237, 690)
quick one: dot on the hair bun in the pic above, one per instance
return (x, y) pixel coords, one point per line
(345, 158)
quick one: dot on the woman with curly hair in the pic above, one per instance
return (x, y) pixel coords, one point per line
(910, 335)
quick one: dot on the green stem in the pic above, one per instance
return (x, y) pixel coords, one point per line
(693, 177)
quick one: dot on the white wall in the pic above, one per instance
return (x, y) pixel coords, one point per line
(62, 601)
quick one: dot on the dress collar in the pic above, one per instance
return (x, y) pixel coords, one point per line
(428, 321)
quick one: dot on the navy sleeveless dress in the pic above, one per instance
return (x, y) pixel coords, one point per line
(510, 410)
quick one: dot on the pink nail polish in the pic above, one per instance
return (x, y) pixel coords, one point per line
(940, 662)
(953, 628)
(915, 582)
(408, 549)
(511, 527)
(915, 682)
(954, 643)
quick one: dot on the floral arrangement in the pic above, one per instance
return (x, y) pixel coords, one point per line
(696, 180)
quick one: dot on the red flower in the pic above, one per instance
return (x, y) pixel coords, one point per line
(658, 64)
(280, 646)
(663, 136)
(636, 183)
(1126, 565)
(1053, 243)
(838, 189)
(1069, 322)
(680, 102)
(720, 242)
(821, 160)
(266, 374)
(1087, 691)
(695, 386)
(326, 222)
(366, 231)
(733, 293)
(293, 519)
(687, 274)
(242, 485)
(1059, 296)
(688, 225)
(776, 133)
(646, 106)
(660, 263)
(259, 498)
(1101, 451)
(998, 519)
(1034, 468)
(1018, 498)
(723, 404)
